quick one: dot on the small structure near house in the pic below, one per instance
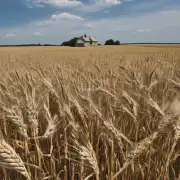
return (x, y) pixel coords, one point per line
(85, 41)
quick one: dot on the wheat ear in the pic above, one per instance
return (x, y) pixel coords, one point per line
(115, 132)
(153, 104)
(50, 87)
(138, 150)
(166, 123)
(32, 113)
(15, 117)
(9, 159)
(132, 102)
(86, 152)
(176, 128)
(53, 123)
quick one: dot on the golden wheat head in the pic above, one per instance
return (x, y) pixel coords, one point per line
(9, 159)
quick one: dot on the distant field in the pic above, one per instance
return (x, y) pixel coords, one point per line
(24, 57)
(97, 113)
(161, 45)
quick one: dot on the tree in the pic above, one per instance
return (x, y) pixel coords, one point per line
(109, 42)
(112, 42)
(117, 42)
(70, 43)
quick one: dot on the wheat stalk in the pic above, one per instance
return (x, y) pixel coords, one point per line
(50, 87)
(86, 151)
(32, 113)
(108, 124)
(115, 132)
(133, 102)
(53, 123)
(15, 117)
(9, 159)
(138, 150)
(153, 104)
(145, 144)
(176, 128)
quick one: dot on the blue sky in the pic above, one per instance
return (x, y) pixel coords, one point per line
(54, 21)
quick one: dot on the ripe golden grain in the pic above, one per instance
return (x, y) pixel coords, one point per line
(10, 160)
(93, 113)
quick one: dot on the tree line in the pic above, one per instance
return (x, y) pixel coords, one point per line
(112, 42)
(72, 42)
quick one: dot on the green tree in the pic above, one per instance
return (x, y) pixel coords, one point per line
(117, 42)
(112, 42)
(70, 43)
(109, 42)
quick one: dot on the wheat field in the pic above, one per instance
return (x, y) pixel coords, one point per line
(98, 113)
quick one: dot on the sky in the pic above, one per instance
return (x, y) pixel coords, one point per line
(55, 21)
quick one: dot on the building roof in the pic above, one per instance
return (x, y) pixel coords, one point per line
(85, 38)
(93, 39)
(89, 38)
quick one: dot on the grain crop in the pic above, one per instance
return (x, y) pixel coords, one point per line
(97, 113)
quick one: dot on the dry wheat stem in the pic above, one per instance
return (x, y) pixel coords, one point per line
(176, 128)
(53, 123)
(131, 101)
(131, 81)
(154, 104)
(86, 151)
(139, 149)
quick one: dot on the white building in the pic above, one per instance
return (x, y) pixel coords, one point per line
(85, 41)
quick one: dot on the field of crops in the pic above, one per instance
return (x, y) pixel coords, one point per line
(99, 113)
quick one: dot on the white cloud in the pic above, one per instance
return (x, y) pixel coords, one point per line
(58, 18)
(88, 25)
(143, 30)
(89, 6)
(62, 3)
(38, 34)
(10, 35)
(158, 27)
(56, 3)
(66, 16)
(161, 27)
(40, 5)
(109, 2)
(44, 22)
(98, 5)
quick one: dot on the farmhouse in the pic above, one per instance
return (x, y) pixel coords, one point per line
(85, 41)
